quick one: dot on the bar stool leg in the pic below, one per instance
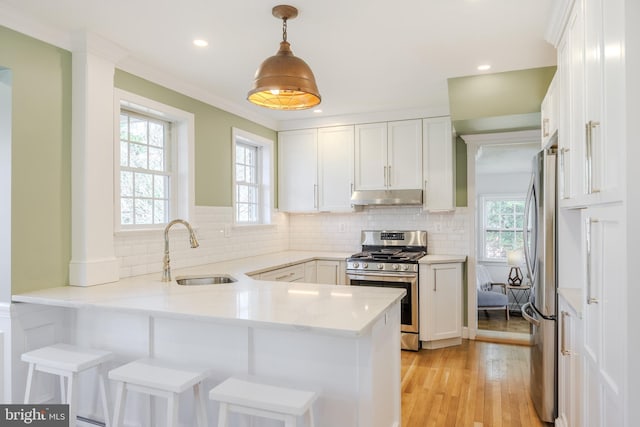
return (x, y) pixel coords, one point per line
(223, 412)
(27, 391)
(289, 421)
(118, 412)
(72, 386)
(63, 389)
(200, 405)
(105, 396)
(172, 410)
(310, 416)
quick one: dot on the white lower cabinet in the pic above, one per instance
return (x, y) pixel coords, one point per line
(605, 319)
(570, 366)
(440, 300)
(327, 272)
(293, 273)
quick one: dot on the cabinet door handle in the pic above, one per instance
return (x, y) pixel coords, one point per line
(591, 299)
(545, 127)
(389, 175)
(315, 196)
(589, 154)
(563, 345)
(425, 193)
(385, 175)
(563, 170)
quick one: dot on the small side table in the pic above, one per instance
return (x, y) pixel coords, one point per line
(520, 296)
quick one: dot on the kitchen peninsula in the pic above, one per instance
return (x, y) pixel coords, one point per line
(343, 342)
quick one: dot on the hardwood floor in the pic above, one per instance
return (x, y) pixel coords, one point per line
(493, 320)
(476, 384)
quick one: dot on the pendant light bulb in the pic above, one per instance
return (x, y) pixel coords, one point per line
(284, 81)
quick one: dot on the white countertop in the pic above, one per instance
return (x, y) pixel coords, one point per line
(442, 259)
(330, 309)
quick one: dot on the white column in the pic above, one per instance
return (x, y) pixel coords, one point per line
(93, 258)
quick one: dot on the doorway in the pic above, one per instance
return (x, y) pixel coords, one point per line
(499, 174)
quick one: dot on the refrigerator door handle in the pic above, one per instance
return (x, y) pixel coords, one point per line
(525, 236)
(528, 313)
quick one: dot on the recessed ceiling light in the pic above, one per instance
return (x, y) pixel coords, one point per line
(201, 43)
(484, 67)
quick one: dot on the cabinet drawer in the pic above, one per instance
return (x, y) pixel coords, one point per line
(294, 273)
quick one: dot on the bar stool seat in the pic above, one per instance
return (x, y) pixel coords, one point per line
(267, 401)
(162, 379)
(67, 361)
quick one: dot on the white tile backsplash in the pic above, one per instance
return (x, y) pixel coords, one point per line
(142, 252)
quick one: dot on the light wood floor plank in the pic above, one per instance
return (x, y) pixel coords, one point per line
(475, 384)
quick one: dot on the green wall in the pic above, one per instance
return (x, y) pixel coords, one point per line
(213, 137)
(498, 102)
(41, 155)
(41, 161)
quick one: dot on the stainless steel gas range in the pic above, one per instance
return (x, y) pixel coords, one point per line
(390, 259)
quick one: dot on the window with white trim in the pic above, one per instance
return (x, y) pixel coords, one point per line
(145, 170)
(502, 226)
(252, 178)
(154, 163)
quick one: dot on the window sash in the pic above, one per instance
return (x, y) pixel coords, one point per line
(248, 184)
(506, 230)
(145, 171)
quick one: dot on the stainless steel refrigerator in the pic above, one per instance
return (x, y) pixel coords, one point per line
(540, 259)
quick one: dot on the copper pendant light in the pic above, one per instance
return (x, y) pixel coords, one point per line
(284, 81)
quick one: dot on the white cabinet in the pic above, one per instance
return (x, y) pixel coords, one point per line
(440, 304)
(591, 137)
(293, 273)
(335, 168)
(605, 322)
(388, 155)
(439, 164)
(570, 365)
(328, 272)
(310, 272)
(315, 170)
(297, 170)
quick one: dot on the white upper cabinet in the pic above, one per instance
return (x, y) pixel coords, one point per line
(315, 169)
(590, 138)
(297, 170)
(335, 168)
(388, 155)
(404, 154)
(439, 165)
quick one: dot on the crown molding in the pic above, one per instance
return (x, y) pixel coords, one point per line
(558, 18)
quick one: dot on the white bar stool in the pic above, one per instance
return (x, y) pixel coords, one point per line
(162, 379)
(67, 361)
(262, 400)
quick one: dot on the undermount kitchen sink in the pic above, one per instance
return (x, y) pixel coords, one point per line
(215, 279)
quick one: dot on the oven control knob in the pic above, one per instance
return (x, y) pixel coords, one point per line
(380, 266)
(356, 265)
(365, 265)
(395, 266)
(405, 267)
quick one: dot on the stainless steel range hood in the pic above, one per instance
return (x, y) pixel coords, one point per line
(387, 197)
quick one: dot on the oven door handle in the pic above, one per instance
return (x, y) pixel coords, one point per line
(393, 277)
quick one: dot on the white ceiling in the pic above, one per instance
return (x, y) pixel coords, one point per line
(368, 56)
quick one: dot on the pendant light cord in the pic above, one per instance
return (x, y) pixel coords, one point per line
(284, 29)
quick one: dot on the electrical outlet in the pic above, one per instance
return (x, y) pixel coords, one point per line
(227, 230)
(342, 228)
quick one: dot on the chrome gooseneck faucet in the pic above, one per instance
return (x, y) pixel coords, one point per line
(166, 268)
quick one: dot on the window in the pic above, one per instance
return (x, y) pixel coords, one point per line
(145, 169)
(154, 158)
(252, 165)
(503, 222)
